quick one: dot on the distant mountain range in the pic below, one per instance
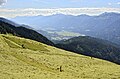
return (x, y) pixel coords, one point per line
(105, 26)
(9, 27)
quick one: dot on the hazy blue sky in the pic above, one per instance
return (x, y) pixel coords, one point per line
(62, 3)
(13, 8)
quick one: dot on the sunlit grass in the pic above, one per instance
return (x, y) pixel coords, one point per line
(27, 59)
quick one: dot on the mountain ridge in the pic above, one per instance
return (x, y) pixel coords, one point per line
(93, 47)
(6, 27)
(99, 26)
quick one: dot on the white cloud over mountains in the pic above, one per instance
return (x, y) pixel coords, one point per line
(2, 2)
(10, 13)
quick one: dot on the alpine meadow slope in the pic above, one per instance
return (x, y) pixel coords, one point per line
(22, 58)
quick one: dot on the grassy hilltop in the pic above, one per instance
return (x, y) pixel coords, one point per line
(22, 58)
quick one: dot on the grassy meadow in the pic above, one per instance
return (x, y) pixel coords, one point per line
(27, 59)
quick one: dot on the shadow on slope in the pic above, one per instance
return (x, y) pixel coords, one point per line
(92, 47)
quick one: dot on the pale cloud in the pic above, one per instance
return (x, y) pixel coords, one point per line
(118, 3)
(11, 13)
(2, 2)
(109, 3)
